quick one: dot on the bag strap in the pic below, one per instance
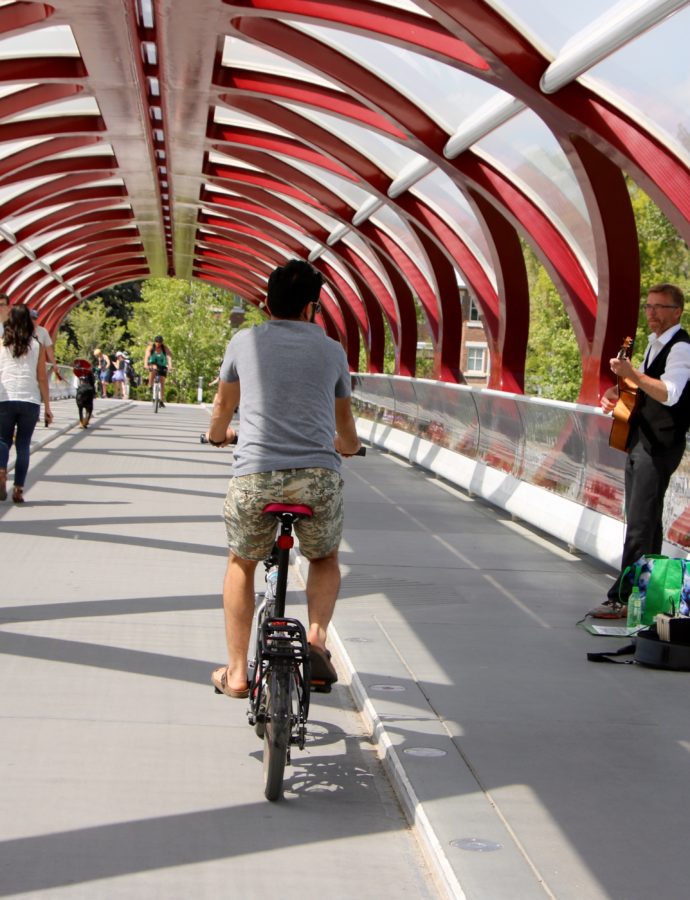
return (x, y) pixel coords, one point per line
(606, 655)
(635, 569)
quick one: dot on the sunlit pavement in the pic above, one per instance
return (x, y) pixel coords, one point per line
(527, 770)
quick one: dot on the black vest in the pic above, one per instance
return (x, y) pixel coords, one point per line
(661, 427)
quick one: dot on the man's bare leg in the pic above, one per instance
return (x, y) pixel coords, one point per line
(323, 583)
(238, 603)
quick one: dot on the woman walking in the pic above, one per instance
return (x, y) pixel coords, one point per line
(23, 383)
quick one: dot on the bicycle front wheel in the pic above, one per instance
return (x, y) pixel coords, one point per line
(277, 733)
(156, 398)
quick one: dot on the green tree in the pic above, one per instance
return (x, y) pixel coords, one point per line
(553, 368)
(252, 316)
(119, 302)
(86, 327)
(664, 257)
(194, 319)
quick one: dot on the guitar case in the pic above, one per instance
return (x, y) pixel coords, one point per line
(648, 650)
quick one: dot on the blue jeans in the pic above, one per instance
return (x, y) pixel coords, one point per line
(17, 420)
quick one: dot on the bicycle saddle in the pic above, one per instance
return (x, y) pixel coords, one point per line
(296, 510)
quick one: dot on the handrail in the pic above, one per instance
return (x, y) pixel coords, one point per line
(559, 447)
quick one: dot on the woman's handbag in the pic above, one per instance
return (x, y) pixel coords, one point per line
(664, 585)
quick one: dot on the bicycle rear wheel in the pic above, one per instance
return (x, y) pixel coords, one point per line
(277, 731)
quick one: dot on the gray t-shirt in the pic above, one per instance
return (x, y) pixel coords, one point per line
(290, 374)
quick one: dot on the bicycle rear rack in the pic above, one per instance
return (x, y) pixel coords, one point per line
(283, 638)
(282, 643)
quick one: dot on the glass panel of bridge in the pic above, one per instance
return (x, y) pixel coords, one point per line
(657, 90)
(525, 147)
(448, 416)
(554, 447)
(415, 75)
(602, 486)
(439, 192)
(501, 435)
(372, 398)
(406, 410)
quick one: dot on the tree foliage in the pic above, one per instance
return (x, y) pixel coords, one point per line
(194, 320)
(554, 368)
(86, 327)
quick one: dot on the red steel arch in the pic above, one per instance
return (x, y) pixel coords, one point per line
(215, 139)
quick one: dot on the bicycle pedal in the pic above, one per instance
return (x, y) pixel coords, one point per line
(320, 687)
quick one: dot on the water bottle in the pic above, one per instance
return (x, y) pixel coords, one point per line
(271, 584)
(634, 608)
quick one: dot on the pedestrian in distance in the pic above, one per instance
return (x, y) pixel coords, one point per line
(657, 437)
(23, 384)
(119, 376)
(293, 387)
(103, 365)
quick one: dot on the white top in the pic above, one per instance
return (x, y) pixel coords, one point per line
(677, 371)
(18, 379)
(43, 336)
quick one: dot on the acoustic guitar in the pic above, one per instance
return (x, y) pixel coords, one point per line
(625, 406)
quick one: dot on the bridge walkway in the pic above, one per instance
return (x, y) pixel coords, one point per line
(527, 771)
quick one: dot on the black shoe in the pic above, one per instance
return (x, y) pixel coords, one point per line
(161, 405)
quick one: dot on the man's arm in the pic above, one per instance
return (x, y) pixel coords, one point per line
(50, 359)
(653, 387)
(42, 376)
(669, 387)
(346, 441)
(224, 404)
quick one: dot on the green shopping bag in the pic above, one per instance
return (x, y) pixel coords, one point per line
(660, 580)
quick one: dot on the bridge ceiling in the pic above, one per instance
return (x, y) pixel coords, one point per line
(405, 148)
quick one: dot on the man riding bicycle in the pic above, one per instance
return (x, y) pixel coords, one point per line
(158, 359)
(292, 384)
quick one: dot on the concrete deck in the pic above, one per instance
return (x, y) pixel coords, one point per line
(527, 770)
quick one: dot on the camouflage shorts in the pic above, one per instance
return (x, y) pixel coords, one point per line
(251, 533)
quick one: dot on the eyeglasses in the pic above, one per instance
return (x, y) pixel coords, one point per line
(652, 307)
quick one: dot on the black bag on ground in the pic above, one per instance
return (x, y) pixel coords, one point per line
(648, 650)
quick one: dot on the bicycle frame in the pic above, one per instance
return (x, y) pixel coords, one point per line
(281, 642)
(156, 390)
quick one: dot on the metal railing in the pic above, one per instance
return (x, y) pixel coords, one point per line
(560, 447)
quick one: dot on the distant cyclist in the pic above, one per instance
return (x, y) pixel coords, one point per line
(158, 359)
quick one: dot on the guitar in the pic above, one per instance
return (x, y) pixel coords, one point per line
(623, 410)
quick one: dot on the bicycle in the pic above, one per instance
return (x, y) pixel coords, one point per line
(156, 391)
(279, 673)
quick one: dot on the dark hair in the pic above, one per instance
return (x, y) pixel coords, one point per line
(291, 287)
(19, 330)
(672, 291)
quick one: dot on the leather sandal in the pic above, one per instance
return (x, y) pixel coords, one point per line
(219, 679)
(18, 495)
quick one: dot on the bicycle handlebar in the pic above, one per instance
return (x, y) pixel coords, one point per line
(204, 440)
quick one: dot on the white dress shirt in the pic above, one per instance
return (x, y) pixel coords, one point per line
(677, 372)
